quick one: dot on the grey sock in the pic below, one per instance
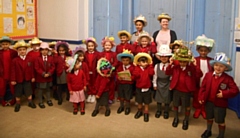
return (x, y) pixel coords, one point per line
(159, 106)
(121, 103)
(40, 94)
(97, 106)
(166, 108)
(48, 92)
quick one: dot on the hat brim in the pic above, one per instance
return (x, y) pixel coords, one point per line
(164, 17)
(141, 36)
(135, 61)
(212, 62)
(209, 48)
(126, 33)
(16, 47)
(8, 40)
(119, 56)
(144, 22)
(165, 55)
(95, 44)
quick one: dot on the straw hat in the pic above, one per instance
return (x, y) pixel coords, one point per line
(140, 18)
(104, 67)
(135, 61)
(125, 53)
(35, 40)
(164, 50)
(91, 39)
(52, 44)
(145, 34)
(6, 38)
(126, 33)
(183, 54)
(223, 59)
(21, 43)
(164, 16)
(205, 42)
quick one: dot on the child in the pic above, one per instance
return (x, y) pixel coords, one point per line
(124, 36)
(91, 58)
(104, 69)
(143, 73)
(44, 66)
(175, 46)
(22, 75)
(108, 43)
(52, 45)
(161, 81)
(217, 87)
(183, 82)
(204, 46)
(6, 57)
(140, 22)
(145, 44)
(76, 84)
(63, 53)
(125, 84)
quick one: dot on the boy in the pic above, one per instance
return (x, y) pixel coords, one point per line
(183, 82)
(143, 73)
(125, 82)
(6, 57)
(161, 81)
(124, 37)
(22, 75)
(216, 89)
(204, 46)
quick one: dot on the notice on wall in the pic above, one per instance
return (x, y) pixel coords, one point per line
(237, 31)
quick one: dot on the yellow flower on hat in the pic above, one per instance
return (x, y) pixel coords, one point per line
(111, 38)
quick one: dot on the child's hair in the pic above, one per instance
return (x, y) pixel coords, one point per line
(140, 21)
(66, 49)
(173, 47)
(143, 59)
(123, 34)
(123, 57)
(72, 71)
(80, 53)
(198, 47)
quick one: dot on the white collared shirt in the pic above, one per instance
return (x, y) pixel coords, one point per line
(91, 52)
(142, 68)
(219, 75)
(126, 67)
(44, 58)
(23, 57)
(154, 81)
(183, 68)
(76, 72)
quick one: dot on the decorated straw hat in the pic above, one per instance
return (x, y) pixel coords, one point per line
(125, 53)
(183, 54)
(108, 39)
(164, 50)
(135, 61)
(126, 33)
(77, 49)
(21, 43)
(52, 44)
(180, 43)
(91, 39)
(204, 41)
(140, 18)
(223, 59)
(61, 43)
(44, 45)
(35, 40)
(71, 61)
(145, 34)
(104, 67)
(6, 38)
(164, 16)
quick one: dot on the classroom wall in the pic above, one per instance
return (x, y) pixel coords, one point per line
(237, 67)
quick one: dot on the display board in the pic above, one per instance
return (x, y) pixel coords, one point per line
(18, 18)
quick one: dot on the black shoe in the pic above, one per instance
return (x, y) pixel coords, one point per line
(127, 111)
(175, 122)
(49, 103)
(107, 113)
(206, 134)
(146, 117)
(120, 110)
(185, 125)
(165, 115)
(32, 105)
(59, 102)
(94, 113)
(158, 114)
(75, 111)
(33, 96)
(41, 105)
(83, 113)
(138, 114)
(17, 107)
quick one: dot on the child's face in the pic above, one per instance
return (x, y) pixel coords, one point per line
(164, 59)
(203, 51)
(123, 39)
(143, 64)
(107, 46)
(183, 63)
(44, 52)
(22, 51)
(126, 61)
(144, 41)
(164, 23)
(90, 46)
(35, 47)
(175, 48)
(219, 68)
(80, 58)
(77, 65)
(5, 45)
(61, 51)
(139, 26)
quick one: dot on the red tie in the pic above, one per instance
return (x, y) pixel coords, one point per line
(45, 58)
(163, 67)
(216, 76)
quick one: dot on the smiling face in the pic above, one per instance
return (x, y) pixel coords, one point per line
(183, 63)
(203, 51)
(164, 59)
(126, 61)
(144, 41)
(107, 46)
(61, 51)
(139, 26)
(164, 23)
(123, 39)
(90, 46)
(44, 52)
(5, 45)
(219, 68)
(35, 47)
(22, 51)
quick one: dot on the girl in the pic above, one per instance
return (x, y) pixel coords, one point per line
(76, 84)
(44, 67)
(139, 22)
(63, 52)
(91, 58)
(108, 43)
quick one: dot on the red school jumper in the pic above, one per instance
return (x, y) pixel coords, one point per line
(150, 48)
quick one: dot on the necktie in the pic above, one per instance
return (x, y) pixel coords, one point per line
(163, 67)
(125, 68)
(216, 76)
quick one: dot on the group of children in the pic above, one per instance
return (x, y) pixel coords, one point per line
(175, 78)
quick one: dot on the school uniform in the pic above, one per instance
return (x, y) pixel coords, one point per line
(150, 48)
(120, 47)
(102, 90)
(143, 84)
(216, 107)
(22, 73)
(91, 61)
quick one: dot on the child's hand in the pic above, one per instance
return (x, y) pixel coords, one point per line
(201, 102)
(33, 80)
(171, 61)
(194, 62)
(46, 75)
(97, 97)
(71, 92)
(13, 82)
(155, 88)
(220, 95)
(85, 88)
